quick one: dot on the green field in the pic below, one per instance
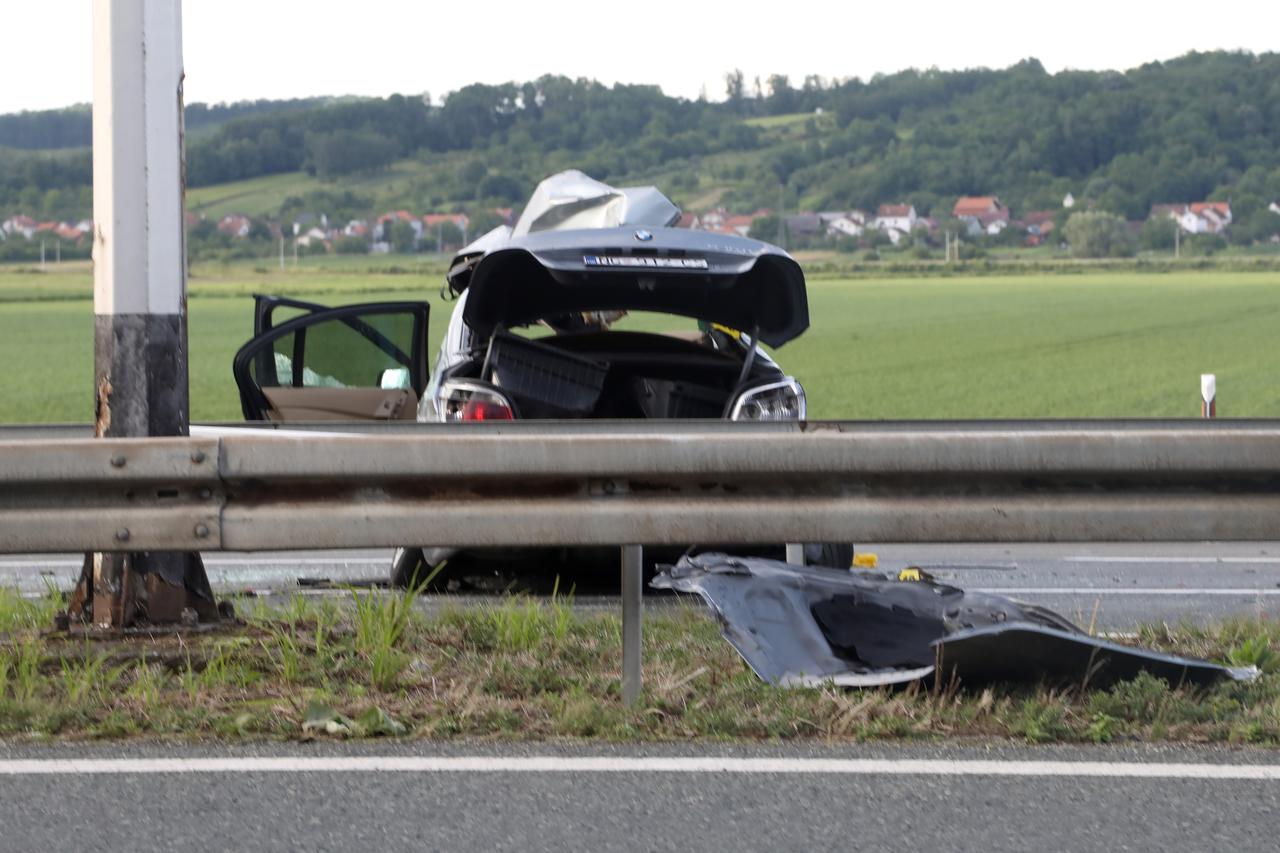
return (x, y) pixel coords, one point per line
(1108, 344)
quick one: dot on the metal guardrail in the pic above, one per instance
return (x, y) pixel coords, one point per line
(231, 488)
(550, 484)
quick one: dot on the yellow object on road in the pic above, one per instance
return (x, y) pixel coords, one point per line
(910, 573)
(865, 561)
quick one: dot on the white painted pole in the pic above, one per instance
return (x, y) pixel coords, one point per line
(139, 287)
(1208, 395)
(137, 159)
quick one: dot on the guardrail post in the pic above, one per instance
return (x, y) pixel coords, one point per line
(139, 294)
(632, 617)
(795, 554)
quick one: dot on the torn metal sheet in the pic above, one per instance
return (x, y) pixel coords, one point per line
(798, 626)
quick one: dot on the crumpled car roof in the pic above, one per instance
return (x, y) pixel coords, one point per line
(571, 200)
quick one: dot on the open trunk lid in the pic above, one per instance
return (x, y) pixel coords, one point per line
(739, 283)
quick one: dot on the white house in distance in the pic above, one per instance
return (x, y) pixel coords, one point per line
(1274, 207)
(19, 226)
(845, 224)
(982, 214)
(235, 225)
(896, 217)
(313, 236)
(1202, 217)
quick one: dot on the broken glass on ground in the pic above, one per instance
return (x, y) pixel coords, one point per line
(801, 626)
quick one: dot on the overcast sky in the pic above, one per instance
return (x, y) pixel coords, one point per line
(248, 49)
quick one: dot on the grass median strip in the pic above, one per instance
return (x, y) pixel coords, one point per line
(530, 669)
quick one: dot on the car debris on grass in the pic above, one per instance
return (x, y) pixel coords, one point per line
(801, 626)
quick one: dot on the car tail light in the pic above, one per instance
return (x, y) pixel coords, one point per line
(482, 410)
(776, 401)
(472, 401)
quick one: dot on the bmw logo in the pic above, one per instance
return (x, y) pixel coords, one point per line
(644, 236)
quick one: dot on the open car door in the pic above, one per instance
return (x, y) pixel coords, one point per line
(354, 362)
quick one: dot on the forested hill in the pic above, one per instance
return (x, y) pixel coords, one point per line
(73, 127)
(1198, 127)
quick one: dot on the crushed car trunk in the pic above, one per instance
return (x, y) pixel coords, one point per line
(797, 626)
(737, 283)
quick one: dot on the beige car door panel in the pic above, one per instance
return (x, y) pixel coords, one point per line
(341, 404)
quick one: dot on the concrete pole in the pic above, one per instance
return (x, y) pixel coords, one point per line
(139, 295)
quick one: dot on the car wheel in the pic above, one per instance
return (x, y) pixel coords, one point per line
(830, 555)
(409, 569)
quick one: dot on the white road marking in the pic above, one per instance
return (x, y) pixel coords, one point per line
(217, 562)
(1091, 590)
(1209, 559)
(538, 764)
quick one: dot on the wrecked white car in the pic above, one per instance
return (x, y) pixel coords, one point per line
(590, 307)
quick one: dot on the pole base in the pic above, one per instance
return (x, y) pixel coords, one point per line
(118, 591)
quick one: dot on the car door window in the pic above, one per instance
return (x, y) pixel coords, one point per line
(374, 346)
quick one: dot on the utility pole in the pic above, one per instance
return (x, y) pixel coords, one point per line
(1177, 241)
(282, 251)
(139, 293)
(41, 254)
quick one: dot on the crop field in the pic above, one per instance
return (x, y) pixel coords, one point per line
(1105, 344)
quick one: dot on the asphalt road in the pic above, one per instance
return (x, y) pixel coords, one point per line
(785, 803)
(1114, 587)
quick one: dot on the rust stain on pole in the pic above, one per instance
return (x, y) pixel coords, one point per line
(102, 408)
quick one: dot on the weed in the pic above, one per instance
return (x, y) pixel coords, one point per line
(285, 654)
(1141, 700)
(87, 676)
(148, 683)
(1040, 719)
(26, 658)
(1103, 728)
(20, 613)
(519, 624)
(380, 622)
(1255, 651)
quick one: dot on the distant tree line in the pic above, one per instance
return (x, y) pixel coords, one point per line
(72, 127)
(1206, 125)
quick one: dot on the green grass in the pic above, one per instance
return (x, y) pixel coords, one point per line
(1090, 344)
(261, 197)
(530, 669)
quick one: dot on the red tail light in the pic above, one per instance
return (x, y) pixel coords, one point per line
(465, 400)
(482, 410)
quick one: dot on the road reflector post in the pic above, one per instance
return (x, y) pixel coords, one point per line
(140, 305)
(1208, 395)
(632, 617)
